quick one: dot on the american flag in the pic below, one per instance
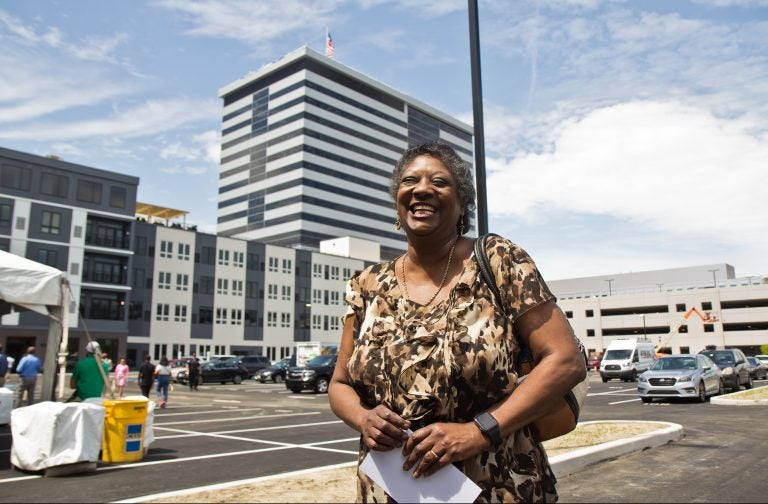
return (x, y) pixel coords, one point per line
(328, 45)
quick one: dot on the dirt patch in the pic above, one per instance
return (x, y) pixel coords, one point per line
(340, 485)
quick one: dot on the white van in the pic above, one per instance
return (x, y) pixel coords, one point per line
(626, 358)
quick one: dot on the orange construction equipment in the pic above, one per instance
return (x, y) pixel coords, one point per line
(706, 318)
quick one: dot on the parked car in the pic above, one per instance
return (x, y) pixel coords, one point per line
(218, 371)
(315, 375)
(676, 376)
(733, 363)
(275, 372)
(593, 362)
(757, 369)
(253, 363)
(177, 366)
(762, 358)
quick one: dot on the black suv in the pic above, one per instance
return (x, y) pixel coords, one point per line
(315, 375)
(253, 363)
(734, 366)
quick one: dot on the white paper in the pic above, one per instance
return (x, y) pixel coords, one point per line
(446, 485)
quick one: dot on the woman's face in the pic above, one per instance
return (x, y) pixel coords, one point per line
(427, 197)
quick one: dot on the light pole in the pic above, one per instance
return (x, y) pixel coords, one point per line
(610, 281)
(714, 276)
(477, 109)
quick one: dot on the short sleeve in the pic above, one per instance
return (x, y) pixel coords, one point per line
(520, 282)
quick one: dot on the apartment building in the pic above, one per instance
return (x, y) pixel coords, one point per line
(154, 286)
(308, 146)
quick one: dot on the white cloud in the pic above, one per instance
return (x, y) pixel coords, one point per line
(661, 165)
(179, 151)
(253, 22)
(211, 142)
(148, 118)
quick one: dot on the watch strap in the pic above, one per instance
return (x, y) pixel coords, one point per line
(489, 427)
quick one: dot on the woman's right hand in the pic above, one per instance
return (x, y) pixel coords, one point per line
(383, 429)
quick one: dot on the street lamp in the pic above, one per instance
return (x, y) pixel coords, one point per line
(714, 276)
(610, 281)
(477, 109)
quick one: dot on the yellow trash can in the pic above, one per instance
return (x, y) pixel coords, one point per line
(124, 424)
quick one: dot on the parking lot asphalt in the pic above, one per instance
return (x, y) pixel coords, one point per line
(234, 432)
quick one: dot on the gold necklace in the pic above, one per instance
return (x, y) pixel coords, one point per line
(442, 281)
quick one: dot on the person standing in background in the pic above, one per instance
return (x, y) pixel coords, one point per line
(193, 372)
(106, 360)
(121, 377)
(28, 367)
(163, 374)
(146, 376)
(86, 379)
(3, 366)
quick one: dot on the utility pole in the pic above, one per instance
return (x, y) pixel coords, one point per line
(477, 109)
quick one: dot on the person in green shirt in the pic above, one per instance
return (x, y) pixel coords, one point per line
(86, 379)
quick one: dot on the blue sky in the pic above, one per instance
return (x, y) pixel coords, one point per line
(620, 135)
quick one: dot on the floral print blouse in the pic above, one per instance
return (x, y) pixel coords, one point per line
(450, 362)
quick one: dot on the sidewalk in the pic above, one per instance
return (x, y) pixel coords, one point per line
(338, 483)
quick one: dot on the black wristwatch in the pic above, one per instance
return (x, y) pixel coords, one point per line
(489, 427)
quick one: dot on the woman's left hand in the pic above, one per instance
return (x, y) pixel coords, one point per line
(440, 444)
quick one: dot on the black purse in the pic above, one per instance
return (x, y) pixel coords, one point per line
(565, 415)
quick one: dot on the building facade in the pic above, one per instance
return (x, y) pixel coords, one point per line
(679, 310)
(77, 219)
(308, 147)
(153, 288)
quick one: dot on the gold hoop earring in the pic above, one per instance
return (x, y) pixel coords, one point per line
(397, 224)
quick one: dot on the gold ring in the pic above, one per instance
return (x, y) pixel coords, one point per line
(437, 457)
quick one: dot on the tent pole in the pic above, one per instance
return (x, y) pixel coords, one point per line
(51, 354)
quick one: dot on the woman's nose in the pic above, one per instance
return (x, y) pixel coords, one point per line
(422, 186)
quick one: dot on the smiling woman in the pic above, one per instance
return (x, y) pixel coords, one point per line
(426, 347)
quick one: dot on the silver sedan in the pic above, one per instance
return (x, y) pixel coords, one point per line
(685, 375)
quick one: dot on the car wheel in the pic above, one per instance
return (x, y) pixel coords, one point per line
(237, 379)
(646, 400)
(277, 378)
(296, 390)
(702, 393)
(749, 382)
(634, 375)
(321, 385)
(605, 380)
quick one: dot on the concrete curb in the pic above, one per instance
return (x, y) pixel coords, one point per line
(733, 399)
(571, 462)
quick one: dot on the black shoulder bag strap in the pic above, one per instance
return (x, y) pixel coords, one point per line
(526, 356)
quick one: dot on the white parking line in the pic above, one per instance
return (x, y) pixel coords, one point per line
(276, 446)
(628, 400)
(237, 431)
(208, 412)
(185, 422)
(613, 392)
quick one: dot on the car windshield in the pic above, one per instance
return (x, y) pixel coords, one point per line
(722, 357)
(673, 363)
(179, 363)
(617, 355)
(753, 361)
(320, 360)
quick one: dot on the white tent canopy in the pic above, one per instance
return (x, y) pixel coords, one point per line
(29, 284)
(43, 289)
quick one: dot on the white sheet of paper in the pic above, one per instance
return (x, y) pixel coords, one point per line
(446, 485)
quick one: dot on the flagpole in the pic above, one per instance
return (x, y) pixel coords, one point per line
(477, 109)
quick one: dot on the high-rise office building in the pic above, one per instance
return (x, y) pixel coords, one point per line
(308, 147)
